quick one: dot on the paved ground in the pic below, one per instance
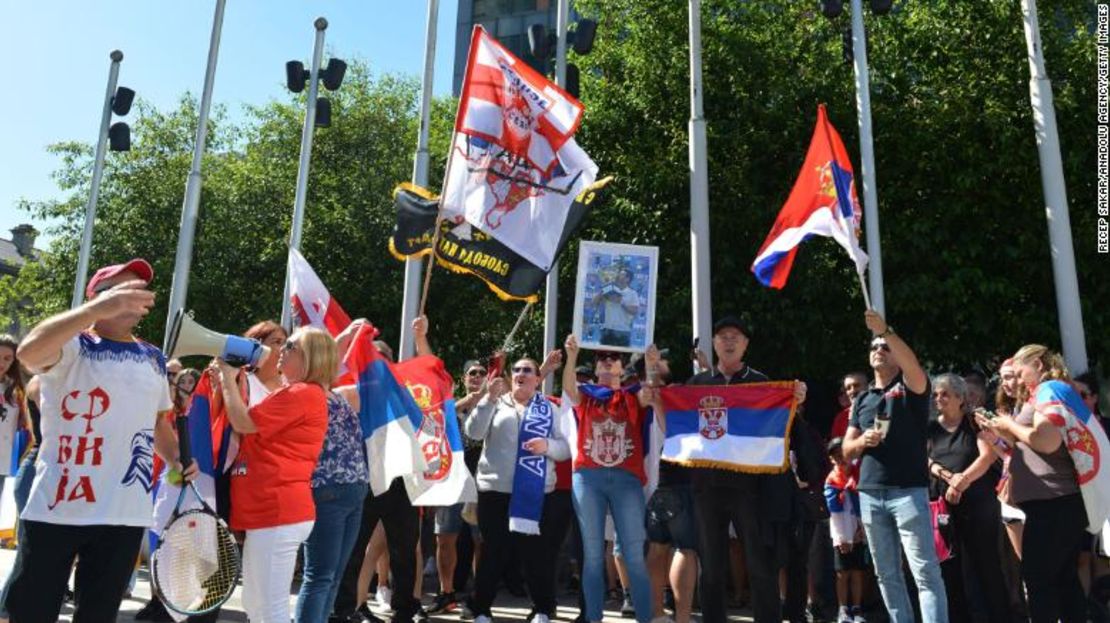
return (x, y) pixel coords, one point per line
(508, 608)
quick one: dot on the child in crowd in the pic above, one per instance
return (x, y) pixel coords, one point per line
(847, 534)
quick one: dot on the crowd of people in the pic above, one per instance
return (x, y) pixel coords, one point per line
(926, 499)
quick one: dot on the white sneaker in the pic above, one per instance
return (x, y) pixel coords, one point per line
(541, 618)
(481, 618)
(384, 596)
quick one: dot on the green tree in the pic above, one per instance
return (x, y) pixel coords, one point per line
(967, 270)
(240, 249)
(968, 273)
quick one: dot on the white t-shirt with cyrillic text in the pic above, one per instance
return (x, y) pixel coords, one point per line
(99, 404)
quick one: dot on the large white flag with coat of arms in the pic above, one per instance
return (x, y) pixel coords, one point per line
(515, 168)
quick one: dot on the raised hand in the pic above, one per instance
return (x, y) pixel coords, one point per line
(571, 345)
(129, 297)
(497, 388)
(875, 322)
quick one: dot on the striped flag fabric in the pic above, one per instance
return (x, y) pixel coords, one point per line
(508, 103)
(822, 203)
(207, 442)
(742, 428)
(387, 412)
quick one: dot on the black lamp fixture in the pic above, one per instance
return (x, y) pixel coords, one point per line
(542, 45)
(331, 77)
(119, 133)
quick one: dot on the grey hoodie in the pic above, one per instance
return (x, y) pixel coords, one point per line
(497, 424)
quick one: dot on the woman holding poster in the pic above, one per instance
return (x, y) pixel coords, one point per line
(609, 473)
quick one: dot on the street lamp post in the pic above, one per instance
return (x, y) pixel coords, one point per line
(114, 136)
(191, 206)
(1069, 312)
(419, 177)
(318, 112)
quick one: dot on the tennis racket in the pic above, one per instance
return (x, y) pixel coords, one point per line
(195, 566)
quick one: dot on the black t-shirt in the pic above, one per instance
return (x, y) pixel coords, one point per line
(956, 451)
(901, 460)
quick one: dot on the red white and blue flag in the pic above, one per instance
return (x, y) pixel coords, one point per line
(742, 428)
(1086, 443)
(387, 412)
(312, 304)
(508, 103)
(210, 442)
(447, 481)
(822, 203)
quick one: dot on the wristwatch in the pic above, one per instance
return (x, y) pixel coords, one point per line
(888, 332)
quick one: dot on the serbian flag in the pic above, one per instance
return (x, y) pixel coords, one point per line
(207, 451)
(742, 428)
(508, 103)
(387, 413)
(447, 481)
(1086, 443)
(311, 302)
(822, 203)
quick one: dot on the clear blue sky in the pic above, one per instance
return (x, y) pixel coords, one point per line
(56, 57)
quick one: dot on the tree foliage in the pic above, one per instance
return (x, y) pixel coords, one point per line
(968, 274)
(967, 271)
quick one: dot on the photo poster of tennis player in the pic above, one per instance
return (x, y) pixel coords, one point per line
(614, 300)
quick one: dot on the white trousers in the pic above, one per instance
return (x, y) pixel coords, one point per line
(269, 556)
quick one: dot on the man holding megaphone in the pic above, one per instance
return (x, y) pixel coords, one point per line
(104, 393)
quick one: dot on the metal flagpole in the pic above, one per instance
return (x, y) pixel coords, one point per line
(702, 296)
(94, 191)
(867, 159)
(191, 205)
(1055, 197)
(321, 25)
(551, 294)
(420, 178)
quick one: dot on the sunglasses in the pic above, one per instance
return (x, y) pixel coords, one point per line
(607, 356)
(476, 372)
(878, 347)
(524, 370)
(288, 346)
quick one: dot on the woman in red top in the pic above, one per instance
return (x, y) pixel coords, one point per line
(270, 481)
(609, 474)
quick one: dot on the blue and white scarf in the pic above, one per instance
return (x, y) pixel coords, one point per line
(530, 475)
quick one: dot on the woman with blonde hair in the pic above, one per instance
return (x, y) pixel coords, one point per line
(271, 479)
(1045, 485)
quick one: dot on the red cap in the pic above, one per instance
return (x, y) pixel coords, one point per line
(139, 266)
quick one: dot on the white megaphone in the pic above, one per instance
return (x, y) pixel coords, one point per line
(189, 338)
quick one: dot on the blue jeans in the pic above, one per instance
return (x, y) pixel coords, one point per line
(338, 512)
(24, 479)
(897, 519)
(602, 490)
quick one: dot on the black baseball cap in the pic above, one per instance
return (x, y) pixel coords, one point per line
(734, 322)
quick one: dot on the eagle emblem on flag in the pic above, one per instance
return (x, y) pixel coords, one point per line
(609, 444)
(712, 417)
